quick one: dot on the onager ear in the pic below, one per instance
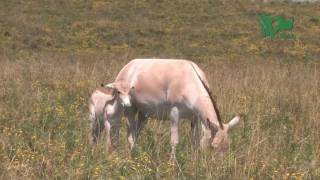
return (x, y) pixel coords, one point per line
(233, 122)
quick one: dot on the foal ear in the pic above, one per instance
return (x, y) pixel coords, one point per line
(233, 122)
(118, 87)
(110, 86)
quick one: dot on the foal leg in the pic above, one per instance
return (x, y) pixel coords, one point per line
(112, 127)
(96, 128)
(107, 126)
(130, 113)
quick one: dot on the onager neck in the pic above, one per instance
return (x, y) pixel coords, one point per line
(209, 113)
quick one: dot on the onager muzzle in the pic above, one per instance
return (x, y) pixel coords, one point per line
(221, 140)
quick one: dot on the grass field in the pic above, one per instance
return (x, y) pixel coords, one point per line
(53, 54)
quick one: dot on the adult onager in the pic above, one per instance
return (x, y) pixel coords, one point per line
(171, 88)
(102, 104)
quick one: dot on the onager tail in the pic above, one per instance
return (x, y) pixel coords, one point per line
(210, 95)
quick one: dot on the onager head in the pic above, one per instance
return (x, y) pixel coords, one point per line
(220, 140)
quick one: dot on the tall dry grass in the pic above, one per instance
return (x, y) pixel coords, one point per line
(44, 122)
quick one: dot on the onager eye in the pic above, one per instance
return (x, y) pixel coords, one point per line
(116, 92)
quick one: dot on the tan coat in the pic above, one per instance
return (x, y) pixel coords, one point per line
(174, 89)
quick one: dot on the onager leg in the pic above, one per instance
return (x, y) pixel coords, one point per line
(174, 118)
(195, 133)
(205, 135)
(140, 124)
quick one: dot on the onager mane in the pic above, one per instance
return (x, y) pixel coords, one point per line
(211, 98)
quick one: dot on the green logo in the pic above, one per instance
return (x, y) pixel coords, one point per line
(270, 26)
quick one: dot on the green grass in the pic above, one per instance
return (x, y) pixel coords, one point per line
(53, 54)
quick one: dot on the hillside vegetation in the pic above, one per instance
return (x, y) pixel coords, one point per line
(54, 53)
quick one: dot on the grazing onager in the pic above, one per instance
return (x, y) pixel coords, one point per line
(105, 113)
(175, 89)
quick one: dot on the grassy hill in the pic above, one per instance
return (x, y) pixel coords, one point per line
(53, 54)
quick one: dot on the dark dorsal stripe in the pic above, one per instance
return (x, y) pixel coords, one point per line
(211, 98)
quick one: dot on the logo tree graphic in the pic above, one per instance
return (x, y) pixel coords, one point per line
(270, 26)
